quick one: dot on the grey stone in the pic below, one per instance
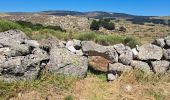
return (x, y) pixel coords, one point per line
(160, 66)
(92, 49)
(18, 50)
(150, 52)
(79, 52)
(126, 57)
(120, 48)
(167, 40)
(77, 44)
(14, 34)
(141, 66)
(118, 67)
(166, 53)
(32, 43)
(135, 52)
(64, 62)
(111, 77)
(160, 42)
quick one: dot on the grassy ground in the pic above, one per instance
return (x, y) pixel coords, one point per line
(134, 85)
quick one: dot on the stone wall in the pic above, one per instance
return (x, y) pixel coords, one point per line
(23, 59)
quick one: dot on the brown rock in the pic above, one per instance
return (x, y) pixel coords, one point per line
(98, 63)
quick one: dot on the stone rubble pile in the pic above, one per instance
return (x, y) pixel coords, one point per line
(24, 59)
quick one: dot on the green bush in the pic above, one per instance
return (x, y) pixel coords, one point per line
(131, 41)
(69, 97)
(94, 25)
(7, 25)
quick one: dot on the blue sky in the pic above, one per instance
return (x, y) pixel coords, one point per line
(137, 7)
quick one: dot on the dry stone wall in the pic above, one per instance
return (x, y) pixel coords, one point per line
(23, 59)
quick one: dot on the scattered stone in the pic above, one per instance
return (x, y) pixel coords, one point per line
(160, 66)
(111, 77)
(150, 52)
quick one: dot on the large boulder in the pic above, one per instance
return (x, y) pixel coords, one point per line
(160, 66)
(141, 66)
(92, 49)
(118, 67)
(98, 63)
(63, 61)
(150, 52)
(126, 57)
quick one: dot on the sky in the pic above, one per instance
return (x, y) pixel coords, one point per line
(135, 7)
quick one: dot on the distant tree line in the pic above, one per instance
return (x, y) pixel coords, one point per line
(142, 20)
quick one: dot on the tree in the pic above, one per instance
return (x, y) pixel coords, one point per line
(94, 25)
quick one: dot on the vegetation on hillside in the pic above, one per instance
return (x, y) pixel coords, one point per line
(39, 32)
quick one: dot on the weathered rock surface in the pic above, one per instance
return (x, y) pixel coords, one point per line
(18, 61)
(120, 48)
(92, 49)
(160, 66)
(98, 63)
(160, 42)
(141, 66)
(111, 77)
(166, 53)
(65, 62)
(118, 67)
(126, 57)
(150, 52)
(167, 41)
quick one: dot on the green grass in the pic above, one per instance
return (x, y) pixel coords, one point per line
(63, 82)
(156, 95)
